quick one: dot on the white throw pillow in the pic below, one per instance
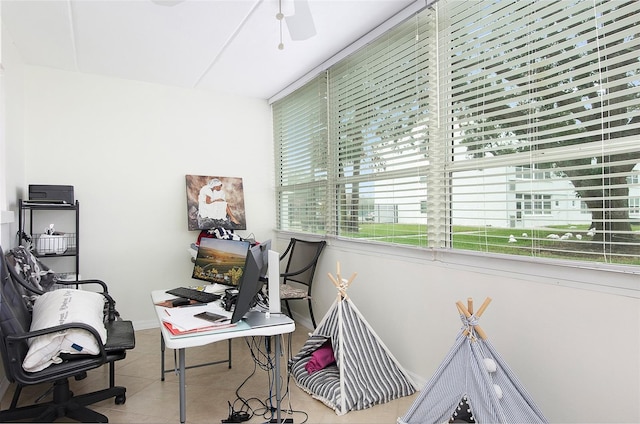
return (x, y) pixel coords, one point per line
(60, 307)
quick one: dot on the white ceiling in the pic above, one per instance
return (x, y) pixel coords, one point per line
(223, 45)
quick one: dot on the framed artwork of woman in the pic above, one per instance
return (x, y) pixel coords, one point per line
(214, 202)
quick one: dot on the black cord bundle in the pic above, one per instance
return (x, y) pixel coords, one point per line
(245, 412)
(236, 416)
(264, 358)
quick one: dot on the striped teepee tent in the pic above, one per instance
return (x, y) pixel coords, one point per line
(473, 384)
(364, 373)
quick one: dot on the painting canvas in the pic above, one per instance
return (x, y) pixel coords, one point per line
(214, 202)
(221, 261)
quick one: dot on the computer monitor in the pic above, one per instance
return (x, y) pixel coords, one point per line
(221, 261)
(252, 280)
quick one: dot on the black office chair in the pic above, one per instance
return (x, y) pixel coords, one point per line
(22, 264)
(302, 257)
(15, 322)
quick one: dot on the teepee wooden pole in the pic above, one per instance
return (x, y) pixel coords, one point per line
(341, 284)
(470, 305)
(333, 280)
(483, 307)
(463, 310)
(341, 291)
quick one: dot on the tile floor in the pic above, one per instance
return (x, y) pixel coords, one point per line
(209, 389)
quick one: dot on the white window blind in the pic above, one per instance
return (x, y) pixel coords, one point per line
(498, 126)
(543, 103)
(380, 101)
(300, 134)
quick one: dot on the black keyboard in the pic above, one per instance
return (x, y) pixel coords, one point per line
(197, 295)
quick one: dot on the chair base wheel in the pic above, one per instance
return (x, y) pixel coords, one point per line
(120, 399)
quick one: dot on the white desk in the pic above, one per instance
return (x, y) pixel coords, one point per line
(180, 343)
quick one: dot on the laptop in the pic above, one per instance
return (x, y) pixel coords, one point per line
(257, 319)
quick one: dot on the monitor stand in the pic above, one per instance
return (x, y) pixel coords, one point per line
(274, 282)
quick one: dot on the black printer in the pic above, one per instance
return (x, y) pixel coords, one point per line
(51, 193)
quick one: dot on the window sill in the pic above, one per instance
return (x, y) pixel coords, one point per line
(619, 280)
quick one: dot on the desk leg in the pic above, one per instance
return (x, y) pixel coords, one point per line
(162, 349)
(183, 397)
(278, 350)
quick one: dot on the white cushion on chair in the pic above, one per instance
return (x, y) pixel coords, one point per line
(287, 291)
(60, 307)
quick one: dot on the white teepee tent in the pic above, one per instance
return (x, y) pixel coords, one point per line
(473, 384)
(364, 374)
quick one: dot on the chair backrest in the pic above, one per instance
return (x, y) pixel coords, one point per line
(303, 257)
(25, 283)
(30, 272)
(15, 318)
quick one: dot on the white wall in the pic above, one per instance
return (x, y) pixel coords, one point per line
(126, 146)
(12, 143)
(575, 345)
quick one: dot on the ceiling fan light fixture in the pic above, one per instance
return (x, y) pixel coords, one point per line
(300, 24)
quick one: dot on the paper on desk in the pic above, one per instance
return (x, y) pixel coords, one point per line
(239, 326)
(184, 320)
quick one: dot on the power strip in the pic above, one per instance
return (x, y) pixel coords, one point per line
(237, 417)
(286, 420)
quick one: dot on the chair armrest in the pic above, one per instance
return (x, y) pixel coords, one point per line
(293, 273)
(11, 339)
(111, 313)
(16, 347)
(84, 282)
(120, 335)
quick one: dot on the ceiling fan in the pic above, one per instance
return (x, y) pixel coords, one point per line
(300, 23)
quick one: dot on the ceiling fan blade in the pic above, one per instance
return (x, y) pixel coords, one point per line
(300, 24)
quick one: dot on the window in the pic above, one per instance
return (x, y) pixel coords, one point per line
(380, 100)
(533, 204)
(300, 133)
(555, 84)
(526, 173)
(476, 121)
